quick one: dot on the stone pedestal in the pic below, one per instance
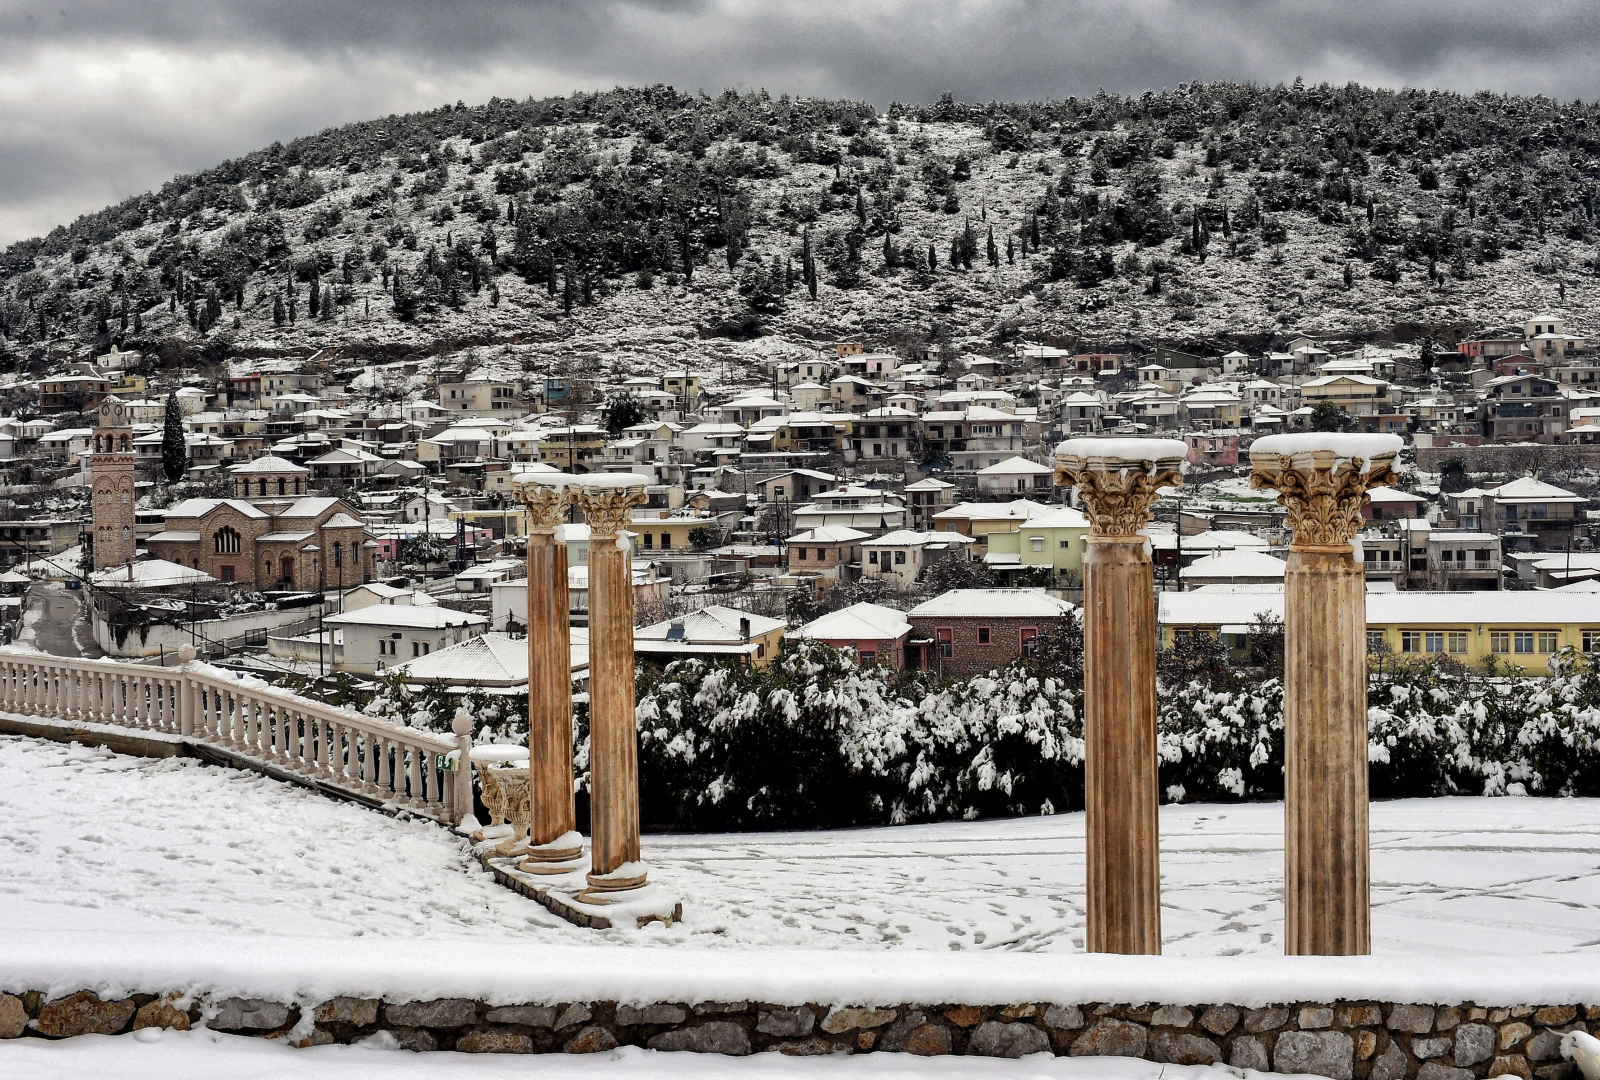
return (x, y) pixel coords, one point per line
(613, 738)
(553, 839)
(1120, 759)
(1326, 901)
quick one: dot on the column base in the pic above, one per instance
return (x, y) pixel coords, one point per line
(561, 856)
(566, 891)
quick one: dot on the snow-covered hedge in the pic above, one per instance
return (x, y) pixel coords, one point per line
(818, 740)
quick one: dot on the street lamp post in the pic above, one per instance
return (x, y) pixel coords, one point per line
(312, 549)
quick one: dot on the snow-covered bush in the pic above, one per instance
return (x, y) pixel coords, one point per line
(1220, 742)
(496, 718)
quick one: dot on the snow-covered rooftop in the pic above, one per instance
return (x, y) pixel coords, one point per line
(994, 603)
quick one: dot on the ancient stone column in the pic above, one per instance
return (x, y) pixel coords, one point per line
(1117, 480)
(553, 838)
(606, 501)
(1323, 480)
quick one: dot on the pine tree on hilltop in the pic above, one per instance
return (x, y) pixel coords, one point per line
(174, 451)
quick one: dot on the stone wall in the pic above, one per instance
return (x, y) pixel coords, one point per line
(1343, 1040)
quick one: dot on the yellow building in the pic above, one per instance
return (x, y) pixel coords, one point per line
(712, 633)
(667, 530)
(1520, 629)
(571, 449)
(978, 520)
(1055, 538)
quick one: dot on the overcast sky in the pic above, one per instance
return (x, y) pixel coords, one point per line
(106, 98)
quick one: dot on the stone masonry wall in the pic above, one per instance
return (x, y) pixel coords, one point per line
(1343, 1040)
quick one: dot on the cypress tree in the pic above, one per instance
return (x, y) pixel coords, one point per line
(327, 301)
(933, 258)
(994, 252)
(313, 299)
(1011, 251)
(174, 451)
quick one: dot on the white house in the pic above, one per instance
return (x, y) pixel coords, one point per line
(383, 635)
(1015, 476)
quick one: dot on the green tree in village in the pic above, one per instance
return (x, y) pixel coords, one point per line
(174, 450)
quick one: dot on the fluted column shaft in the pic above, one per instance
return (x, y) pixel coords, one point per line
(1121, 768)
(550, 797)
(1120, 760)
(1325, 843)
(613, 736)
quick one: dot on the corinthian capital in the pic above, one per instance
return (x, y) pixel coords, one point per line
(545, 503)
(1323, 480)
(1119, 479)
(607, 502)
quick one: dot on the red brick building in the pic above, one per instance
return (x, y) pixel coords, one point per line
(973, 631)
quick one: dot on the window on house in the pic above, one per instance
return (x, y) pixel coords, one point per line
(872, 557)
(225, 541)
(1036, 542)
(1549, 641)
(869, 657)
(899, 558)
(1500, 641)
(1411, 641)
(227, 573)
(666, 541)
(1591, 640)
(800, 554)
(649, 541)
(1522, 641)
(1434, 641)
(1375, 641)
(946, 639)
(1458, 641)
(983, 635)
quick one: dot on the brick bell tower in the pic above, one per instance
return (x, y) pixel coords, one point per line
(111, 471)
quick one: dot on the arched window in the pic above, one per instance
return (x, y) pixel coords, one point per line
(266, 570)
(226, 541)
(280, 486)
(338, 554)
(263, 487)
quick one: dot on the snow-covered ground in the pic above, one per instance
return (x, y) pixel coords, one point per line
(99, 842)
(203, 1055)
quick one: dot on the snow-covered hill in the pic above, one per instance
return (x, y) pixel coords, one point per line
(1215, 212)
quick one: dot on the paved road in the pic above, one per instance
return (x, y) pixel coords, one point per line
(60, 626)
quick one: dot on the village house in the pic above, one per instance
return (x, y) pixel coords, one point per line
(380, 636)
(971, 631)
(712, 633)
(828, 553)
(901, 556)
(877, 634)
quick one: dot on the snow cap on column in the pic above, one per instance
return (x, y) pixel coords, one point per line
(1091, 448)
(609, 480)
(1367, 447)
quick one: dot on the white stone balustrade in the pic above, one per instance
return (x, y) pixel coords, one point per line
(340, 749)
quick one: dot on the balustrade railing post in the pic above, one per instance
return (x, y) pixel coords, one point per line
(461, 780)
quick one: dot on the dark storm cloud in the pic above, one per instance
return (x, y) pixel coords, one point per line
(102, 99)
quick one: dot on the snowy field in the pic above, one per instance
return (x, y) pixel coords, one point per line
(202, 1055)
(119, 843)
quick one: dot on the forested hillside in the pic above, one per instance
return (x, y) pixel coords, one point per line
(1215, 212)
